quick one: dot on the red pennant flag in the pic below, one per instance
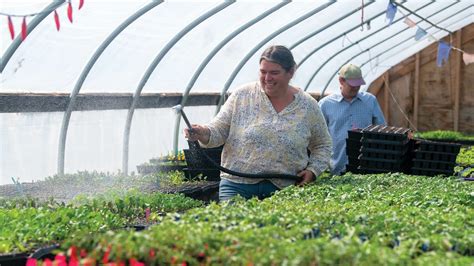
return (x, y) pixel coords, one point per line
(56, 20)
(11, 28)
(81, 3)
(69, 12)
(24, 30)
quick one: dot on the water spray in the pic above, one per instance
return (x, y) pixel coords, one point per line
(195, 145)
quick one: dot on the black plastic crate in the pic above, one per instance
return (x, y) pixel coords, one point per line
(385, 154)
(387, 164)
(353, 144)
(388, 133)
(390, 145)
(354, 160)
(435, 156)
(424, 145)
(354, 134)
(352, 168)
(433, 165)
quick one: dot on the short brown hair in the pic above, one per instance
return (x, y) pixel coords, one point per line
(281, 55)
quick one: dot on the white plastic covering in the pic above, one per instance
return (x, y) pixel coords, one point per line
(51, 61)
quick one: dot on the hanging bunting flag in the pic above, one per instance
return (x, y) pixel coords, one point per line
(24, 30)
(468, 58)
(443, 53)
(409, 22)
(391, 11)
(431, 38)
(11, 28)
(56, 20)
(81, 3)
(420, 33)
(69, 12)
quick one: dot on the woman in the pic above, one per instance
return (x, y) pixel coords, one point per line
(268, 127)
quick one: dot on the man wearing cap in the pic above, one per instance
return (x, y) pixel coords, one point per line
(347, 110)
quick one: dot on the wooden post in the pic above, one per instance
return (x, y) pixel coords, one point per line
(457, 79)
(386, 108)
(416, 91)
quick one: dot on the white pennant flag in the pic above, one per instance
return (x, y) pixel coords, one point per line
(468, 58)
(409, 22)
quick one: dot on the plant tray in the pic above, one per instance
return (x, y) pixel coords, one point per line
(384, 164)
(352, 168)
(424, 145)
(388, 133)
(435, 156)
(353, 145)
(384, 154)
(353, 160)
(354, 134)
(391, 145)
(433, 165)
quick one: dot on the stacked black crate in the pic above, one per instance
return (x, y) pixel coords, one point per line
(434, 158)
(353, 145)
(385, 149)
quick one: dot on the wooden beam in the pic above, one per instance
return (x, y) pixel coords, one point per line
(57, 102)
(416, 91)
(386, 108)
(457, 79)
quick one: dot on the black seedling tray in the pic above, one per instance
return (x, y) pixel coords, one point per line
(384, 154)
(385, 144)
(388, 133)
(435, 156)
(424, 145)
(352, 168)
(433, 165)
(354, 160)
(354, 134)
(387, 164)
(353, 144)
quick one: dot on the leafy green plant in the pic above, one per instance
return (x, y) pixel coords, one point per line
(444, 135)
(386, 219)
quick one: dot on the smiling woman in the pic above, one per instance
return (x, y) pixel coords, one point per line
(268, 127)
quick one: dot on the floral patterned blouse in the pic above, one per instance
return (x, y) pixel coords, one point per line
(260, 140)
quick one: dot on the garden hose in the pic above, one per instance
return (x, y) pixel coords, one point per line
(195, 146)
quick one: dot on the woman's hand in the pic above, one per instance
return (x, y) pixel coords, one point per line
(198, 132)
(307, 177)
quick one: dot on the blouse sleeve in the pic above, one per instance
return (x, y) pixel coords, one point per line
(320, 144)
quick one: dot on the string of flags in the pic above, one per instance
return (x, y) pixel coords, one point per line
(444, 48)
(24, 25)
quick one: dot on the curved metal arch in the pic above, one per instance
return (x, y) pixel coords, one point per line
(31, 26)
(85, 73)
(357, 42)
(337, 37)
(395, 45)
(152, 67)
(261, 43)
(312, 34)
(210, 56)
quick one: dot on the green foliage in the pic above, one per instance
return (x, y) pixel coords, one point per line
(387, 219)
(444, 135)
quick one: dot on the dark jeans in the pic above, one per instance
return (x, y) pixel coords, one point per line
(229, 189)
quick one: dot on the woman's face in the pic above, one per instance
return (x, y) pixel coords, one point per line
(273, 78)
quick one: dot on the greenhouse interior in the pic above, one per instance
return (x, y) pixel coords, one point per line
(136, 132)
